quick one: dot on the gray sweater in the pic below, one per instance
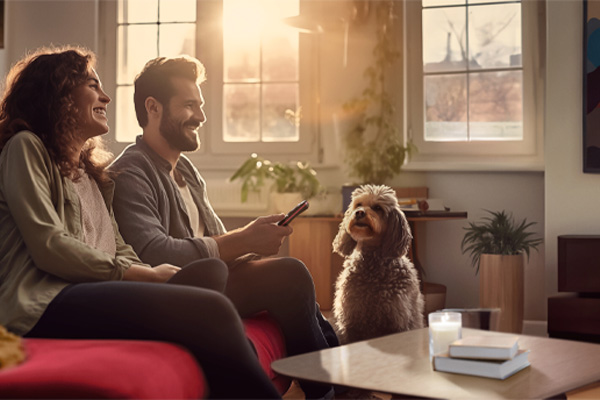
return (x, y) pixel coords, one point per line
(149, 209)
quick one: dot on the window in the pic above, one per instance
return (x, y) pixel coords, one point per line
(147, 29)
(260, 70)
(257, 100)
(253, 90)
(473, 89)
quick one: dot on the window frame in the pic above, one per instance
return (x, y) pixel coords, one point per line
(478, 155)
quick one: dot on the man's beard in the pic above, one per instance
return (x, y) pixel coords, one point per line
(175, 135)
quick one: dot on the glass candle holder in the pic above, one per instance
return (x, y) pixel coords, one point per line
(444, 328)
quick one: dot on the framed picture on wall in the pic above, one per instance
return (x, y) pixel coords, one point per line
(591, 86)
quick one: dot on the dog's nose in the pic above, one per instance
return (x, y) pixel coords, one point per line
(358, 214)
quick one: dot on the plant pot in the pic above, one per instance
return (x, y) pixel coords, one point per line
(284, 202)
(324, 205)
(501, 285)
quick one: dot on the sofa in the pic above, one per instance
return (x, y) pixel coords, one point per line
(126, 369)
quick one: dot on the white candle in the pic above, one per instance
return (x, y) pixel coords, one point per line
(444, 328)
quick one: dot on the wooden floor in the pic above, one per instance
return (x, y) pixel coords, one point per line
(294, 392)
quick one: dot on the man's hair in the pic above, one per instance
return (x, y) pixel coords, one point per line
(155, 81)
(38, 97)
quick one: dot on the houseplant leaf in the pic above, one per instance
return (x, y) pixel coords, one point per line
(498, 233)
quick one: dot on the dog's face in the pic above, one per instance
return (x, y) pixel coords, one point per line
(367, 220)
(373, 221)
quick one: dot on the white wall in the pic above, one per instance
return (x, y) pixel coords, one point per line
(571, 196)
(519, 193)
(33, 23)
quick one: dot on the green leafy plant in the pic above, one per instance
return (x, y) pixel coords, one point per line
(375, 152)
(498, 234)
(256, 172)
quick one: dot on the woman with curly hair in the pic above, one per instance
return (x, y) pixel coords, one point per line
(65, 271)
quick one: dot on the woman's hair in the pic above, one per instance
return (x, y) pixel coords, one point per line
(155, 81)
(38, 97)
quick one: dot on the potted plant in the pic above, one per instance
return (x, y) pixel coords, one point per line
(497, 247)
(294, 181)
(374, 148)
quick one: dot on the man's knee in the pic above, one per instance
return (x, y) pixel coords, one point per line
(295, 272)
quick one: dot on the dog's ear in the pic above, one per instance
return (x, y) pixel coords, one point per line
(398, 236)
(343, 244)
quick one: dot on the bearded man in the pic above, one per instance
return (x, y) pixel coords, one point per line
(162, 209)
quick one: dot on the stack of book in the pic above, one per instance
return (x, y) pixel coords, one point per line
(489, 356)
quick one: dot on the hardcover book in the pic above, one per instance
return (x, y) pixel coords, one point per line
(485, 347)
(497, 369)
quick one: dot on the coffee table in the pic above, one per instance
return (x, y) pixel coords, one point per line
(399, 364)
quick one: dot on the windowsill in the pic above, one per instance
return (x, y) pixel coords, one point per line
(228, 163)
(525, 165)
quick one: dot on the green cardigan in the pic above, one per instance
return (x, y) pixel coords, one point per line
(41, 243)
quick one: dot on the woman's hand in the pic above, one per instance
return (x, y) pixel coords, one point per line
(159, 274)
(164, 272)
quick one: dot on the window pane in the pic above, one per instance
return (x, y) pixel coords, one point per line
(280, 56)
(495, 35)
(127, 127)
(137, 46)
(177, 39)
(279, 42)
(241, 41)
(241, 115)
(136, 11)
(260, 71)
(446, 107)
(496, 106)
(241, 59)
(277, 123)
(434, 3)
(177, 11)
(444, 41)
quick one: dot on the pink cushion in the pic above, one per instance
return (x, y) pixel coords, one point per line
(267, 338)
(125, 369)
(122, 369)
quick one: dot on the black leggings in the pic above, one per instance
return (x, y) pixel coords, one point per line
(192, 312)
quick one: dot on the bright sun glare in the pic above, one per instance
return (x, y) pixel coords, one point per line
(244, 18)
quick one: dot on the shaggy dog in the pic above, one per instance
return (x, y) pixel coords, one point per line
(377, 293)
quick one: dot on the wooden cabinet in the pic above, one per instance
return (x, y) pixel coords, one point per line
(311, 243)
(575, 313)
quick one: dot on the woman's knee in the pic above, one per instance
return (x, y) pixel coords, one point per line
(214, 267)
(214, 306)
(206, 320)
(209, 273)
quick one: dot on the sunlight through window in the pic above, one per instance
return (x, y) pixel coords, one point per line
(260, 71)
